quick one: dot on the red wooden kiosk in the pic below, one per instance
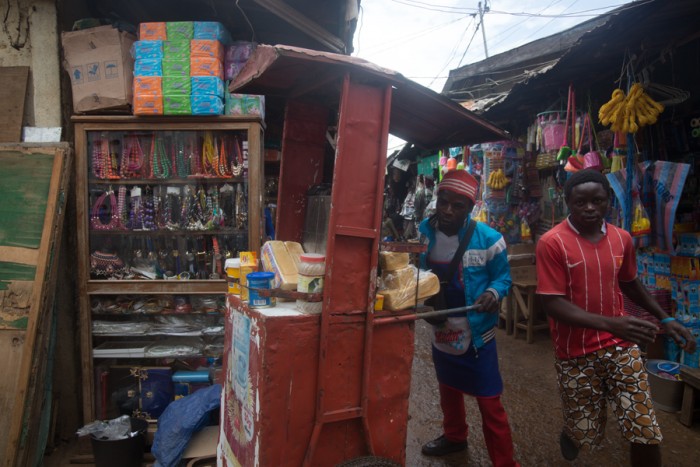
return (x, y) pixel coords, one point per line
(317, 390)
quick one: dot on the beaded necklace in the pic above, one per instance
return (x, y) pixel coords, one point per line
(180, 163)
(102, 167)
(237, 159)
(148, 216)
(209, 155)
(95, 221)
(193, 157)
(132, 158)
(121, 207)
(217, 257)
(223, 162)
(161, 162)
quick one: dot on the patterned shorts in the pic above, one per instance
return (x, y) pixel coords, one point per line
(614, 374)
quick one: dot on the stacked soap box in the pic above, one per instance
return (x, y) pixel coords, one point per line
(179, 68)
(235, 57)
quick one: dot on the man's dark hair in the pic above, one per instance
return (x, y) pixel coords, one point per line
(585, 176)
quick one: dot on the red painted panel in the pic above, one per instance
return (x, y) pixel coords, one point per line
(282, 369)
(303, 148)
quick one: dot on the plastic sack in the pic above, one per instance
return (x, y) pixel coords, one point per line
(180, 420)
(480, 213)
(404, 293)
(117, 428)
(641, 225)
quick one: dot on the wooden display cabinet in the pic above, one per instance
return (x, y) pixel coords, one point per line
(161, 202)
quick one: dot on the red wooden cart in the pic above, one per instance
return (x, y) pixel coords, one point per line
(318, 390)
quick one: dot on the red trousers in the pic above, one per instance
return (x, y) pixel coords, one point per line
(499, 441)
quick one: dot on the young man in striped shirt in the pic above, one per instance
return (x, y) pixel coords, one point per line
(584, 265)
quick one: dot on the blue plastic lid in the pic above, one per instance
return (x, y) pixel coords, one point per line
(261, 275)
(667, 366)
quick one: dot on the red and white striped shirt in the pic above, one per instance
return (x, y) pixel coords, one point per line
(587, 274)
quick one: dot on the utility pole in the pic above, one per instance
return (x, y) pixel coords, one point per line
(481, 23)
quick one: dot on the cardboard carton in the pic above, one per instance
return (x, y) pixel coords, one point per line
(100, 66)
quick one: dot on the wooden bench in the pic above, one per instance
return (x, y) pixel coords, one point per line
(691, 384)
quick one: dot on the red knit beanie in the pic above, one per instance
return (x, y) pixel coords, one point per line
(460, 182)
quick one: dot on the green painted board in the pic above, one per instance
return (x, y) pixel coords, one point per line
(24, 189)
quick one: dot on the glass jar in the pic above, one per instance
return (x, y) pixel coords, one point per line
(312, 269)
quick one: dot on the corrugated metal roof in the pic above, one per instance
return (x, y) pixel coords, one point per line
(418, 114)
(648, 30)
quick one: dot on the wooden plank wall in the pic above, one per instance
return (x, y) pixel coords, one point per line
(34, 187)
(13, 91)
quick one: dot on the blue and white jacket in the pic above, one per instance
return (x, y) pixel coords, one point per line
(484, 267)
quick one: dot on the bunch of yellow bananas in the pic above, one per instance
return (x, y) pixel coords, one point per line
(497, 180)
(629, 113)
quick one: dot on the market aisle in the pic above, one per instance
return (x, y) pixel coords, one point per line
(532, 402)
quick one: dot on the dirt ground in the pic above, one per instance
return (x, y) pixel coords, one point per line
(531, 400)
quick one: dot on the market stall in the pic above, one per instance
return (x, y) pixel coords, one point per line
(321, 389)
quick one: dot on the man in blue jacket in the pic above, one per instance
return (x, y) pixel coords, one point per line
(464, 348)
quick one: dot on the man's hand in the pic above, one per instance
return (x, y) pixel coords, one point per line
(681, 335)
(633, 329)
(486, 302)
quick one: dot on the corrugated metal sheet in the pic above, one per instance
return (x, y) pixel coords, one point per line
(418, 114)
(648, 30)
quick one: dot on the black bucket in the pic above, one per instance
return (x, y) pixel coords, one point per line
(126, 452)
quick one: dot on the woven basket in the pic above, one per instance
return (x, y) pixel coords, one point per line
(545, 160)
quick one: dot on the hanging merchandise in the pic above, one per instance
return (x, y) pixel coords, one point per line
(565, 149)
(525, 233)
(479, 213)
(628, 113)
(641, 225)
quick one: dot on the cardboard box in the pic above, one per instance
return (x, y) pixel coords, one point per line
(100, 66)
(521, 254)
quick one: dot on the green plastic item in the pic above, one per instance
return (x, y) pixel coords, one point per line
(177, 85)
(177, 104)
(176, 67)
(180, 30)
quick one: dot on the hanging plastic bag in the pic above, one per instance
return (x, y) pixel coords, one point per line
(641, 225)
(479, 213)
(525, 232)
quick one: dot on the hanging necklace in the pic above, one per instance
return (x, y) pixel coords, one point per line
(180, 163)
(237, 159)
(208, 155)
(132, 158)
(161, 162)
(121, 207)
(95, 221)
(223, 162)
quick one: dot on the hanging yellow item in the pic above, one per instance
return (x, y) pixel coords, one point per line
(628, 113)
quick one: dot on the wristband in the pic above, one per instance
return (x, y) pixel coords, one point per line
(668, 319)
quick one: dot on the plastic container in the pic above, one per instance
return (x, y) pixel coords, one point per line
(126, 452)
(666, 387)
(260, 280)
(312, 269)
(233, 273)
